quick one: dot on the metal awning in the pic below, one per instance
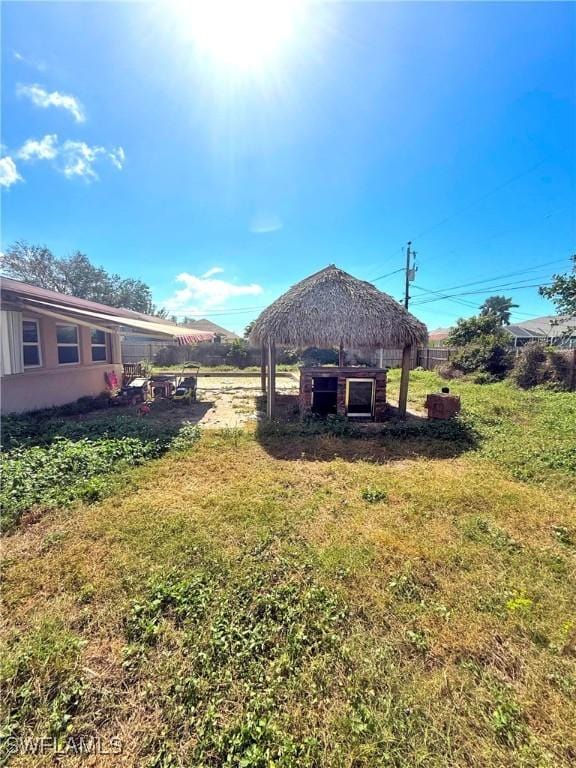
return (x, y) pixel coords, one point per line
(151, 327)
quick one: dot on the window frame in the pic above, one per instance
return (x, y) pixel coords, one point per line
(32, 343)
(105, 345)
(366, 380)
(68, 344)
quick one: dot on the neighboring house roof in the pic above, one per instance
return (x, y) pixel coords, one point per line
(217, 330)
(439, 333)
(59, 305)
(549, 326)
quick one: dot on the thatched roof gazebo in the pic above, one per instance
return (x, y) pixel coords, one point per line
(331, 308)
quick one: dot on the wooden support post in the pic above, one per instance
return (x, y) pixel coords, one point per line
(263, 369)
(271, 397)
(403, 396)
(341, 356)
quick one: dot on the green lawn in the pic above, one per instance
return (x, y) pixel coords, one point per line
(532, 433)
(290, 598)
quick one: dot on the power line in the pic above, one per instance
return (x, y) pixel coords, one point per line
(499, 277)
(508, 286)
(389, 274)
(453, 300)
(381, 277)
(479, 200)
(486, 289)
(463, 302)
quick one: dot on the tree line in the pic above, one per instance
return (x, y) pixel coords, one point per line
(75, 275)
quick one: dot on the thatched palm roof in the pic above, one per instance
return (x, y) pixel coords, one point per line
(331, 308)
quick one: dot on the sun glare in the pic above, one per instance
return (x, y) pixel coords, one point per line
(241, 34)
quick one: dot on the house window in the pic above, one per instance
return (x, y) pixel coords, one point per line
(31, 344)
(99, 341)
(67, 341)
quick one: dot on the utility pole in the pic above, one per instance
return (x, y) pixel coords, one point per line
(410, 272)
(407, 351)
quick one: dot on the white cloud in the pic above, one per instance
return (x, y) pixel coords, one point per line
(39, 65)
(117, 157)
(205, 292)
(8, 172)
(44, 149)
(213, 271)
(74, 159)
(265, 222)
(42, 98)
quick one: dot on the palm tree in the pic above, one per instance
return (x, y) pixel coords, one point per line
(500, 306)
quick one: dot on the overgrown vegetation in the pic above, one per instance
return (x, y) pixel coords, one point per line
(42, 681)
(245, 643)
(310, 600)
(531, 434)
(540, 365)
(52, 462)
(482, 347)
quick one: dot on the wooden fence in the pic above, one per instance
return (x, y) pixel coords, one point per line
(433, 357)
(134, 353)
(428, 358)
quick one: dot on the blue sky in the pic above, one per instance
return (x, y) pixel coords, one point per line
(450, 124)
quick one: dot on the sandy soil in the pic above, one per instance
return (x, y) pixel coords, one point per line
(235, 401)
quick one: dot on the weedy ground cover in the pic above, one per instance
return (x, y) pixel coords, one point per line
(274, 598)
(53, 462)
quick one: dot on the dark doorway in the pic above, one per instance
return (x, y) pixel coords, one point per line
(324, 394)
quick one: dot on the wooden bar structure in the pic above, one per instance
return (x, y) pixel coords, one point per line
(332, 309)
(263, 370)
(271, 392)
(404, 379)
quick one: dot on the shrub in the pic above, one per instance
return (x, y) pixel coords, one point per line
(83, 405)
(558, 370)
(447, 371)
(171, 355)
(489, 354)
(536, 365)
(485, 378)
(237, 353)
(530, 365)
(187, 437)
(469, 330)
